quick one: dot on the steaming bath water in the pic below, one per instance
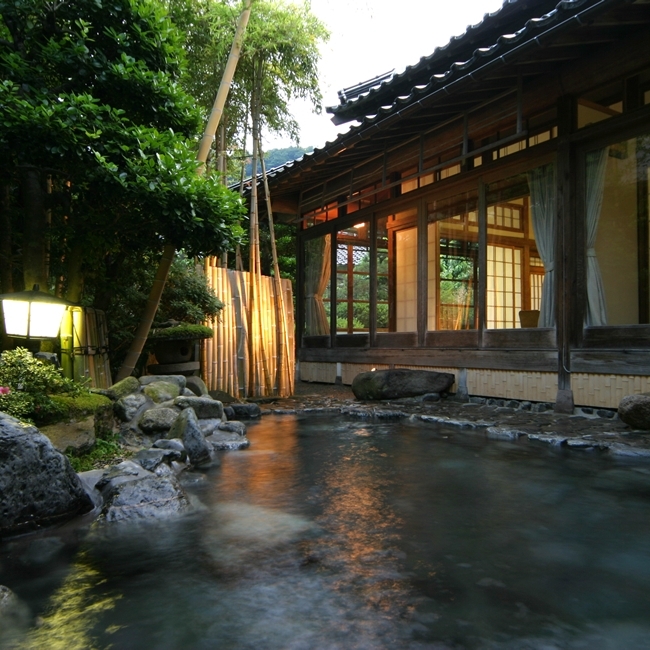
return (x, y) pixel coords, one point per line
(329, 533)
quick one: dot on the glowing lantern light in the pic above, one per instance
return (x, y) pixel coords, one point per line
(33, 314)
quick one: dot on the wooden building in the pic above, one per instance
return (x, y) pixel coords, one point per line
(487, 212)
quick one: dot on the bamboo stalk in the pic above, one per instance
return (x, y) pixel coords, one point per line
(224, 86)
(283, 342)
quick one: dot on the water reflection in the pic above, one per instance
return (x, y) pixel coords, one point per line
(336, 534)
(73, 612)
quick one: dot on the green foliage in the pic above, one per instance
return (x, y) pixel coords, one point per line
(184, 332)
(32, 383)
(104, 453)
(91, 95)
(186, 298)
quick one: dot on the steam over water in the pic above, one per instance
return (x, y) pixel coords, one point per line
(329, 534)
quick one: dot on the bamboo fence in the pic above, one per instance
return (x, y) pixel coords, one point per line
(243, 358)
(84, 346)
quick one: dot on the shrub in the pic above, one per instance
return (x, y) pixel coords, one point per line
(182, 332)
(31, 383)
(105, 452)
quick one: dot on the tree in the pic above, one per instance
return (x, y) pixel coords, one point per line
(97, 146)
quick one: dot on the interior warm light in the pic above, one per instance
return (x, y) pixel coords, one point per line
(32, 314)
(359, 225)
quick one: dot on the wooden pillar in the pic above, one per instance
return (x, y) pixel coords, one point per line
(570, 274)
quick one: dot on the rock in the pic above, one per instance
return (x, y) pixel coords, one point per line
(225, 440)
(233, 426)
(123, 388)
(150, 459)
(156, 420)
(204, 407)
(186, 427)
(634, 410)
(161, 391)
(127, 470)
(431, 397)
(127, 407)
(503, 433)
(179, 380)
(143, 498)
(172, 443)
(186, 392)
(37, 483)
(14, 618)
(222, 396)
(229, 412)
(77, 436)
(208, 425)
(400, 382)
(104, 421)
(197, 386)
(246, 411)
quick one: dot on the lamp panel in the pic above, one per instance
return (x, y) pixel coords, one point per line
(45, 319)
(16, 313)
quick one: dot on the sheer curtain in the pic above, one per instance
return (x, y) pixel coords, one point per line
(542, 185)
(596, 167)
(317, 276)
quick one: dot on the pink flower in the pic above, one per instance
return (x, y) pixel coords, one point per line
(5, 390)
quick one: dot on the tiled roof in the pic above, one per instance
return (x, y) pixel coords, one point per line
(533, 32)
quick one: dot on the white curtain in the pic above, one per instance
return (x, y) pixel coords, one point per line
(317, 278)
(542, 184)
(596, 167)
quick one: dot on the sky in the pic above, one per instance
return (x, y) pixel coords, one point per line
(370, 37)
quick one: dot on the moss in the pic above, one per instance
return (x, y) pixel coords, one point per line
(80, 406)
(182, 332)
(104, 453)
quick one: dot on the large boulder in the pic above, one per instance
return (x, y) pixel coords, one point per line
(121, 388)
(245, 411)
(158, 420)
(227, 441)
(161, 391)
(37, 483)
(634, 410)
(197, 386)
(187, 428)
(179, 380)
(15, 618)
(400, 382)
(204, 407)
(127, 407)
(144, 496)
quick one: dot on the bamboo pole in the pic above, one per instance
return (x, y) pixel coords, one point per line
(283, 342)
(224, 86)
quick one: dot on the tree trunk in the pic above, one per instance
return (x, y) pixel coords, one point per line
(141, 334)
(35, 232)
(73, 262)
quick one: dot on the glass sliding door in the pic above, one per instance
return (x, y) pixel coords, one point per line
(452, 245)
(520, 250)
(353, 279)
(616, 213)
